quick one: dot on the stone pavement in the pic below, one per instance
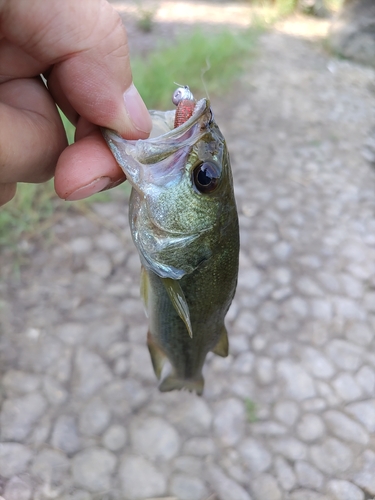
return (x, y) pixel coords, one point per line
(290, 414)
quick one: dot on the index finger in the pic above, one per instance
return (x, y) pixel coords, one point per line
(85, 43)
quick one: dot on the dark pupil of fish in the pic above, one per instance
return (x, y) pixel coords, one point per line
(205, 178)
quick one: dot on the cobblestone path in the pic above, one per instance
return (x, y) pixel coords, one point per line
(290, 414)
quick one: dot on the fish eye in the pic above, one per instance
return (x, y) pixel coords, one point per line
(206, 177)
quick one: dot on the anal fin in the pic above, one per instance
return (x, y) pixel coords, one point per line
(222, 346)
(145, 286)
(158, 357)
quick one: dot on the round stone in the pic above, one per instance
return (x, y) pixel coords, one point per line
(200, 447)
(186, 487)
(18, 382)
(91, 373)
(255, 455)
(70, 333)
(304, 494)
(332, 456)
(140, 366)
(92, 469)
(282, 275)
(365, 378)
(55, 393)
(344, 354)
(115, 437)
(282, 250)
(246, 322)
(290, 448)
(140, 479)
(224, 486)
(14, 458)
(310, 427)
(244, 363)
(364, 411)
(154, 438)
(286, 412)
(308, 476)
(264, 370)
(298, 384)
(100, 264)
(94, 418)
(50, 465)
(17, 489)
(269, 311)
(65, 434)
(108, 242)
(81, 245)
(192, 415)
(308, 287)
(229, 421)
(296, 306)
(365, 477)
(345, 428)
(265, 487)
(19, 415)
(317, 364)
(346, 387)
(285, 474)
(344, 490)
(192, 466)
(359, 333)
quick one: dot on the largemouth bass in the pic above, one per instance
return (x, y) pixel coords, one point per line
(184, 223)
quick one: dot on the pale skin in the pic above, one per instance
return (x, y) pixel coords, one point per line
(81, 49)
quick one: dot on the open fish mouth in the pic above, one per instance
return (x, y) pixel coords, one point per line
(160, 158)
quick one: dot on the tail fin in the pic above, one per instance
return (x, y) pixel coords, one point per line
(172, 382)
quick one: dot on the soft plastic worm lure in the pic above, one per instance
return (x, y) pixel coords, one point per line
(185, 102)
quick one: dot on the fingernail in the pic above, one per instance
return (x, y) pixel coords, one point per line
(85, 191)
(137, 111)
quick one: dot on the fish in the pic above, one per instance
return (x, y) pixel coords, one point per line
(184, 224)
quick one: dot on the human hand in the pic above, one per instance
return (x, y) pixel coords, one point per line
(81, 49)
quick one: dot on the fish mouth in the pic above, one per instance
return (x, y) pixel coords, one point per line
(160, 159)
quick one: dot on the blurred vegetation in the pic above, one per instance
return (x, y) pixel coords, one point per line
(199, 60)
(145, 20)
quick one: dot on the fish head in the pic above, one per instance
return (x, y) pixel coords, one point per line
(182, 197)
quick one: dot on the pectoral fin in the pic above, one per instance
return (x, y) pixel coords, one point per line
(158, 357)
(177, 297)
(222, 347)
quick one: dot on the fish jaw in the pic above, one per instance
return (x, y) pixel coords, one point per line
(159, 160)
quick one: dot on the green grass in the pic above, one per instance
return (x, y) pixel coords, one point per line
(198, 60)
(251, 410)
(32, 204)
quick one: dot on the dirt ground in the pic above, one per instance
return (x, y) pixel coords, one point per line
(289, 415)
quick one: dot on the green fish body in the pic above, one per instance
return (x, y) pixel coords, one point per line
(184, 224)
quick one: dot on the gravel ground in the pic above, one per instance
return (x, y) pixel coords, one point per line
(290, 414)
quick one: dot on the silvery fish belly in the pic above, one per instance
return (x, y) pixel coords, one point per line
(184, 224)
